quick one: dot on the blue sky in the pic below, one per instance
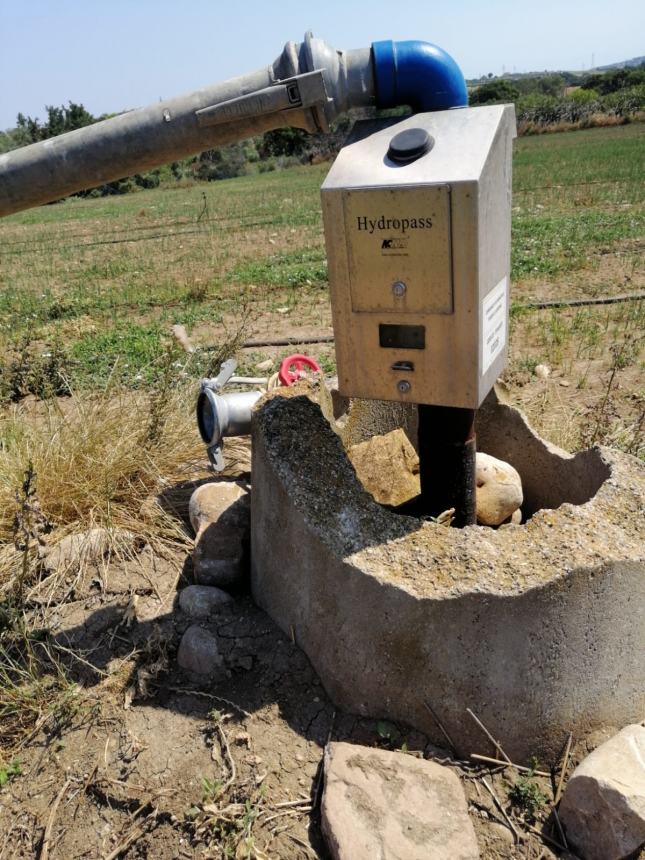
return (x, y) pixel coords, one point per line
(115, 54)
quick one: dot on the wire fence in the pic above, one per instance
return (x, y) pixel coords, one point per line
(231, 223)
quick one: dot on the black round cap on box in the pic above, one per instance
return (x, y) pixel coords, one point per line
(408, 145)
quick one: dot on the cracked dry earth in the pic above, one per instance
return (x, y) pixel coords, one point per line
(154, 764)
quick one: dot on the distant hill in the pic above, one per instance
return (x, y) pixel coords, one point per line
(624, 64)
(569, 75)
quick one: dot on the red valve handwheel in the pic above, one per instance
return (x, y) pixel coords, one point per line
(288, 376)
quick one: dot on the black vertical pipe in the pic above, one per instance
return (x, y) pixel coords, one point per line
(447, 448)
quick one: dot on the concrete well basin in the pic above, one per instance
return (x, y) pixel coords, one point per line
(538, 628)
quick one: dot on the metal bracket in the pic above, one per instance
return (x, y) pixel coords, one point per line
(301, 91)
(216, 457)
(218, 382)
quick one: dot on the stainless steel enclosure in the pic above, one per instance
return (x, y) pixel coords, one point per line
(419, 257)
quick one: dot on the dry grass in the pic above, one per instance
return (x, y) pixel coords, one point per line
(92, 460)
(96, 459)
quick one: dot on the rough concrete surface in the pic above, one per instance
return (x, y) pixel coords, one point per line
(603, 807)
(536, 627)
(393, 806)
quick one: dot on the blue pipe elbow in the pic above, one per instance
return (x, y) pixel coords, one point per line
(418, 74)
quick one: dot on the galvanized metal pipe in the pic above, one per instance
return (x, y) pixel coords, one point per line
(308, 86)
(447, 463)
(208, 118)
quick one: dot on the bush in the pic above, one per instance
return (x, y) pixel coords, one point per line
(494, 92)
(221, 163)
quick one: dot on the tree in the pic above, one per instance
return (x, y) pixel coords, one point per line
(494, 92)
(59, 120)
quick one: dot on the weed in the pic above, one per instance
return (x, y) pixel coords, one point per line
(229, 810)
(9, 772)
(528, 364)
(526, 795)
(31, 371)
(620, 359)
(34, 689)
(211, 789)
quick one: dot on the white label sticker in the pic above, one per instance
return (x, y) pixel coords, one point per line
(493, 324)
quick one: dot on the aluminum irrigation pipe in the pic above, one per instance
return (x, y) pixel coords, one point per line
(307, 87)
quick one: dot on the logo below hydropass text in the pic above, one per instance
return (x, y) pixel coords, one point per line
(370, 225)
(394, 244)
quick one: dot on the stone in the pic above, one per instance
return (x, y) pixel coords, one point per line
(388, 467)
(603, 806)
(218, 557)
(499, 490)
(198, 652)
(219, 513)
(542, 371)
(264, 366)
(393, 806)
(225, 502)
(200, 601)
(85, 547)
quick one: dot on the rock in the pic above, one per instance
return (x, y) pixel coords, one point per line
(499, 490)
(85, 547)
(542, 371)
(388, 467)
(224, 502)
(500, 833)
(393, 806)
(200, 601)
(218, 557)
(219, 513)
(603, 807)
(264, 366)
(150, 509)
(198, 652)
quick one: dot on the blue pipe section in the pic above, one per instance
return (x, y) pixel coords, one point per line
(418, 74)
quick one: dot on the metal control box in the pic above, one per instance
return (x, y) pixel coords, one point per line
(417, 219)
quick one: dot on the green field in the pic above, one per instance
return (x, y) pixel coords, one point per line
(91, 287)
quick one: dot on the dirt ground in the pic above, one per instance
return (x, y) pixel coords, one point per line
(152, 763)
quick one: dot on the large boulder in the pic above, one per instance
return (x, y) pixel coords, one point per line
(603, 807)
(393, 806)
